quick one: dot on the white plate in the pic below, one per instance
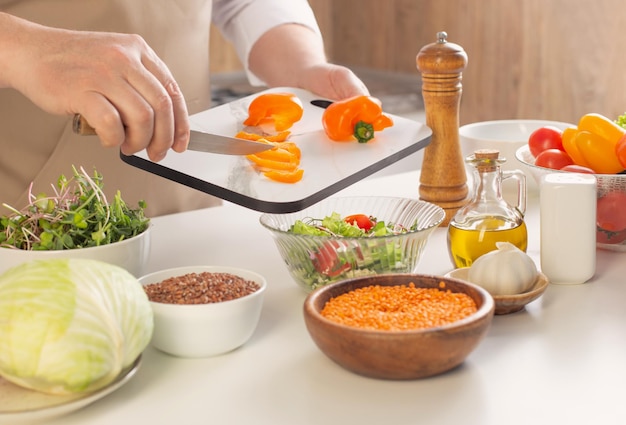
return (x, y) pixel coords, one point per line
(23, 406)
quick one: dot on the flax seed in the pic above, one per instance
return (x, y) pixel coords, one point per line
(200, 288)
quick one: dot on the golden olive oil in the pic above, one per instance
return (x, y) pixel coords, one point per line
(467, 244)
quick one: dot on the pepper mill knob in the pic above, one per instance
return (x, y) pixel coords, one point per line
(443, 180)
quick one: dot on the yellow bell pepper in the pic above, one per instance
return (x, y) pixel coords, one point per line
(592, 143)
(602, 126)
(598, 152)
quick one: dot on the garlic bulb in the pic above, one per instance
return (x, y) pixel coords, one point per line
(506, 271)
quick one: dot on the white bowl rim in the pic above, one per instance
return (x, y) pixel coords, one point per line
(111, 245)
(525, 149)
(533, 122)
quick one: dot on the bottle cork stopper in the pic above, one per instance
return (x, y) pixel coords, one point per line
(486, 160)
(443, 180)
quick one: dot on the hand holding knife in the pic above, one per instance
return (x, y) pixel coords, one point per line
(198, 140)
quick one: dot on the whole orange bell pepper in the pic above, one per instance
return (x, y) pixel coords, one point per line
(356, 117)
(283, 109)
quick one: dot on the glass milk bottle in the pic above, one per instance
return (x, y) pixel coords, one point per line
(487, 218)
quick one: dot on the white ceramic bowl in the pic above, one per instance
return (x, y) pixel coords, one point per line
(203, 330)
(131, 254)
(505, 135)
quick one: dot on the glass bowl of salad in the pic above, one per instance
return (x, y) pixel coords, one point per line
(346, 237)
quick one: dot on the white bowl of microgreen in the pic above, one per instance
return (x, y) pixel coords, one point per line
(76, 221)
(347, 237)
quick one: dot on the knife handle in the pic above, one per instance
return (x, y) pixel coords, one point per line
(81, 126)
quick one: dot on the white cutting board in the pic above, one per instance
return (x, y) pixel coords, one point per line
(328, 166)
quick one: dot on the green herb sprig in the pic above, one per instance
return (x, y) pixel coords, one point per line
(78, 215)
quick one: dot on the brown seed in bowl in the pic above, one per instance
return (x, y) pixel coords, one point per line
(200, 288)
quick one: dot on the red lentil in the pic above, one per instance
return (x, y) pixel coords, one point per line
(397, 308)
(200, 288)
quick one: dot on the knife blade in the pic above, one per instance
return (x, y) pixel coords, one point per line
(198, 141)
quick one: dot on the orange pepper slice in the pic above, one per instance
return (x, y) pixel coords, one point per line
(278, 154)
(284, 109)
(279, 137)
(292, 148)
(272, 164)
(285, 176)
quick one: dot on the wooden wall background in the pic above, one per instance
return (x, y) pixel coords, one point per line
(549, 59)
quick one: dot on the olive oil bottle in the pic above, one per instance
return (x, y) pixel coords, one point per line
(488, 218)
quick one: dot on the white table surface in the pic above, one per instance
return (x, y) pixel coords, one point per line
(561, 361)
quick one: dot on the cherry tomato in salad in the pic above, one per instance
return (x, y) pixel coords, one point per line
(327, 262)
(544, 138)
(611, 212)
(573, 168)
(362, 221)
(553, 158)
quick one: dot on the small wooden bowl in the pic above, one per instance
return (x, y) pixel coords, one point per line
(506, 304)
(398, 355)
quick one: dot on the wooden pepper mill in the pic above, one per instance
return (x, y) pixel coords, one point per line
(443, 180)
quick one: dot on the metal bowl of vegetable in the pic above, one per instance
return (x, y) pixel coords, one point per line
(76, 221)
(611, 206)
(594, 145)
(347, 237)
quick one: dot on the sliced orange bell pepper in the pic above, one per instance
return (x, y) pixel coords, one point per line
(356, 117)
(283, 109)
(285, 176)
(279, 137)
(268, 164)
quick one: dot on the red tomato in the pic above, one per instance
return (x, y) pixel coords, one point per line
(573, 168)
(544, 138)
(608, 237)
(327, 262)
(553, 158)
(611, 212)
(362, 221)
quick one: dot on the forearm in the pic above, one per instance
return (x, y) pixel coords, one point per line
(12, 46)
(281, 55)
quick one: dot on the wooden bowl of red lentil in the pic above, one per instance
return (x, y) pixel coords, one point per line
(398, 326)
(202, 311)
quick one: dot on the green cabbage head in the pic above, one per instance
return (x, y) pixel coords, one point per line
(70, 325)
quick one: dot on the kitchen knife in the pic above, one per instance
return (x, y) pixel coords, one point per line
(198, 141)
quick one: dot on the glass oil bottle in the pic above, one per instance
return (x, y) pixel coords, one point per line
(487, 218)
